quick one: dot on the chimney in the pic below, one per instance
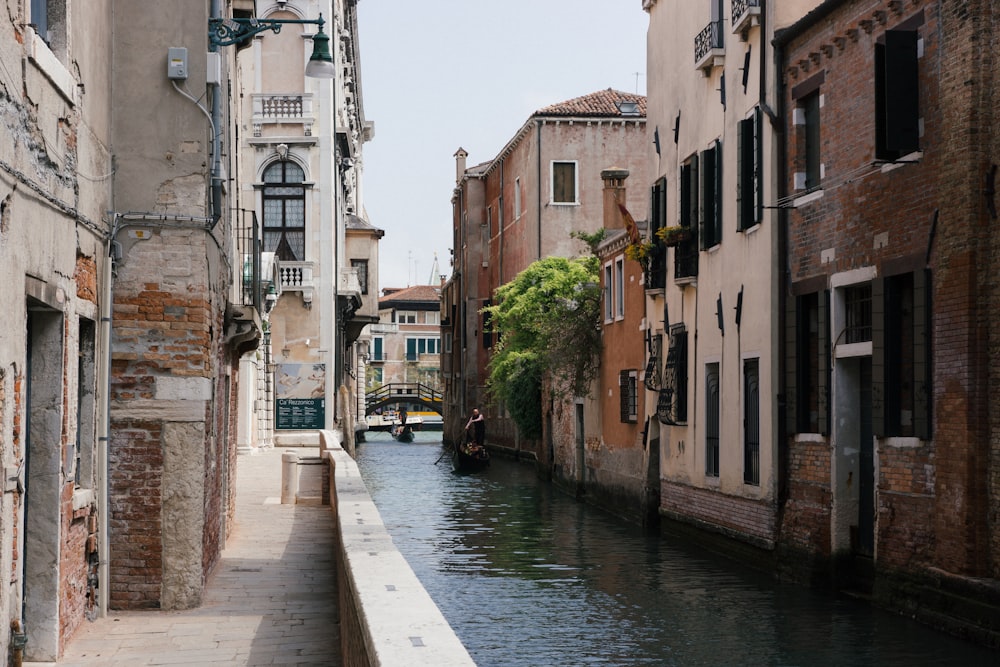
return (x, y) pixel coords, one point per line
(460, 164)
(614, 194)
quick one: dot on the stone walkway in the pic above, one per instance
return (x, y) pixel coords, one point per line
(272, 599)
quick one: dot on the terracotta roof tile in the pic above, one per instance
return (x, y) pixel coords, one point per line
(414, 294)
(602, 103)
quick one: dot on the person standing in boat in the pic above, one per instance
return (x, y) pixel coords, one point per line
(477, 423)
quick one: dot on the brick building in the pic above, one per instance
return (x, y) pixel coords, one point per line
(891, 153)
(520, 207)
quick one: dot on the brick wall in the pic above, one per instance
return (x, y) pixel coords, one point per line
(933, 499)
(749, 520)
(805, 523)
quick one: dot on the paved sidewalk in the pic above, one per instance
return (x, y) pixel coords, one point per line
(271, 600)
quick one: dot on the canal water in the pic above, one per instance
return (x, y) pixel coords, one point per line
(529, 577)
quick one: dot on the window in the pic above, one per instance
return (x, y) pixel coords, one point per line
(858, 313)
(627, 391)
(609, 301)
(448, 341)
(711, 196)
(406, 317)
(49, 19)
(901, 355)
(671, 407)
(415, 347)
(712, 420)
(619, 288)
(285, 211)
(517, 198)
(751, 421)
(810, 105)
(897, 95)
(375, 376)
(564, 183)
(432, 317)
(749, 203)
(361, 266)
(377, 349)
(808, 365)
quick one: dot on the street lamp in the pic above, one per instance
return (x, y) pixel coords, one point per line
(228, 31)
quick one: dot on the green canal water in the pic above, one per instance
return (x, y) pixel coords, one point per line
(529, 577)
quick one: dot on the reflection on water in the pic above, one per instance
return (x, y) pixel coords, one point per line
(529, 577)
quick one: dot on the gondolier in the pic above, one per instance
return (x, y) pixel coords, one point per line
(477, 424)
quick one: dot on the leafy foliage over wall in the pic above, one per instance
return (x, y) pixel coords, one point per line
(548, 321)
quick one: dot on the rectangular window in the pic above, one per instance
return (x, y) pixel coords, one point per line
(564, 184)
(416, 347)
(375, 376)
(897, 95)
(751, 421)
(377, 353)
(749, 204)
(711, 196)
(609, 301)
(671, 406)
(810, 107)
(361, 266)
(619, 288)
(448, 342)
(406, 317)
(858, 313)
(517, 198)
(712, 420)
(901, 355)
(411, 349)
(432, 317)
(628, 393)
(811, 362)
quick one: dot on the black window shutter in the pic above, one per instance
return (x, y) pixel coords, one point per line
(758, 166)
(878, 359)
(693, 202)
(823, 333)
(706, 226)
(901, 91)
(791, 362)
(623, 395)
(922, 379)
(745, 175)
(717, 193)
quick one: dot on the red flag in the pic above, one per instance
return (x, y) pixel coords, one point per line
(630, 226)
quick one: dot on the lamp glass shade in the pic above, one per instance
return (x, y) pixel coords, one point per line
(321, 62)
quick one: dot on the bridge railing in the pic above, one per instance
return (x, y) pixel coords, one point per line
(403, 391)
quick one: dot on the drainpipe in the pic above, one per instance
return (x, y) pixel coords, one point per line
(538, 185)
(216, 187)
(781, 174)
(104, 440)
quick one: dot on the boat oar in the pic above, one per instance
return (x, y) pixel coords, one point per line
(443, 454)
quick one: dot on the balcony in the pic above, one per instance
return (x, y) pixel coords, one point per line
(290, 109)
(746, 14)
(297, 277)
(709, 51)
(686, 262)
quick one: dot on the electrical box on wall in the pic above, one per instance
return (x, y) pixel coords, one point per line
(177, 63)
(214, 73)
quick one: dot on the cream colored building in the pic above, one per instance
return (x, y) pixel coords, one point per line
(300, 173)
(715, 319)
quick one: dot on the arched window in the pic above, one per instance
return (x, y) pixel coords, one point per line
(285, 211)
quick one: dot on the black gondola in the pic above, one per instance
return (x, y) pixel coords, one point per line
(402, 432)
(470, 457)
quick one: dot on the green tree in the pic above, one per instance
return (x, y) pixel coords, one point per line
(548, 323)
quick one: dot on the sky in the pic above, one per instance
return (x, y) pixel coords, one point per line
(444, 74)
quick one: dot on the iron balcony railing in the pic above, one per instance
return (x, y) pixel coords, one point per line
(708, 43)
(686, 259)
(742, 10)
(248, 250)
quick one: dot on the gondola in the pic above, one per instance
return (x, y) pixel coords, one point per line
(402, 432)
(470, 457)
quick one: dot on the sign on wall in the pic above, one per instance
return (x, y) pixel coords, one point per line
(300, 396)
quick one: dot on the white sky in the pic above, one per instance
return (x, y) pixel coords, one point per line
(444, 74)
